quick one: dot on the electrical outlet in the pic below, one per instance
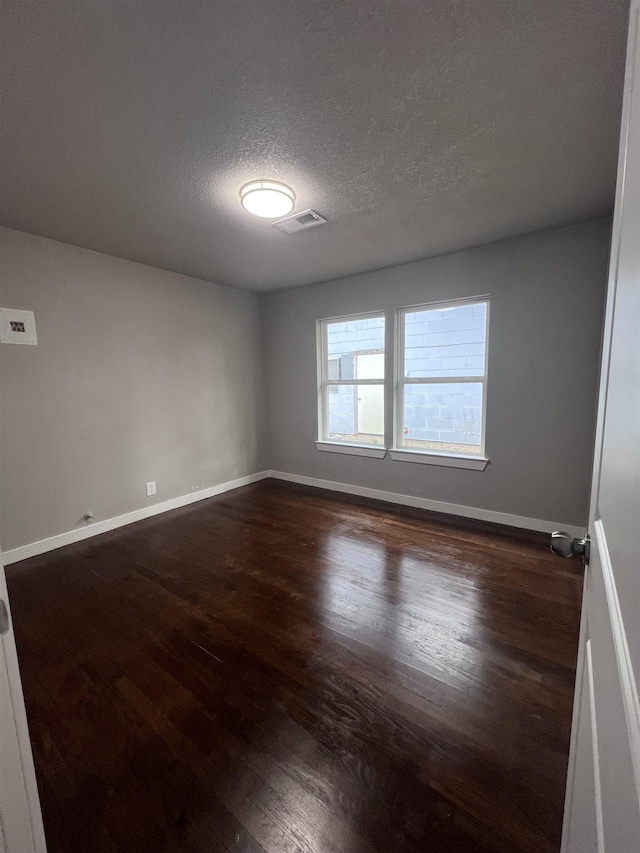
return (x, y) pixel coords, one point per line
(151, 488)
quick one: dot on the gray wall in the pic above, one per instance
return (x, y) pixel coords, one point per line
(139, 374)
(547, 298)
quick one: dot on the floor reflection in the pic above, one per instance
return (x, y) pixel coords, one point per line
(402, 604)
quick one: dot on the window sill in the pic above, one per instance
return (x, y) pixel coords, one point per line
(352, 449)
(449, 460)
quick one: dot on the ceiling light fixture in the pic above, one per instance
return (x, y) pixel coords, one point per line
(269, 199)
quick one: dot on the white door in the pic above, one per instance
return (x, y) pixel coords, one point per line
(602, 809)
(20, 819)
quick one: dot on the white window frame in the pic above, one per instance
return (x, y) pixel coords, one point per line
(324, 443)
(446, 458)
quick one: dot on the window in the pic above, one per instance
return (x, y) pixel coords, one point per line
(351, 385)
(441, 383)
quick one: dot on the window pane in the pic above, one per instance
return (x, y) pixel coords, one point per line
(356, 413)
(443, 417)
(358, 347)
(446, 341)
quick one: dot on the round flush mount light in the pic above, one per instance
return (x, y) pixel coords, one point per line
(269, 199)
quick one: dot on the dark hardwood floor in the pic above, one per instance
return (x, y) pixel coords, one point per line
(288, 670)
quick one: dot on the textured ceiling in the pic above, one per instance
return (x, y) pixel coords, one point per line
(416, 127)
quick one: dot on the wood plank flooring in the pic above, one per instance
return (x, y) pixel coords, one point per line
(286, 670)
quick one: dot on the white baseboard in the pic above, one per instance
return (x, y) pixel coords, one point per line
(80, 533)
(435, 506)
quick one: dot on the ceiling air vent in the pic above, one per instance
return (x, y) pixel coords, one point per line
(299, 222)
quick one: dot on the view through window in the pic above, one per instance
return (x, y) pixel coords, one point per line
(352, 380)
(441, 386)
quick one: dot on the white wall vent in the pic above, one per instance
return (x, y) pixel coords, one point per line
(299, 222)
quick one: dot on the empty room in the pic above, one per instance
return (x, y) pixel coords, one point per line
(320, 426)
